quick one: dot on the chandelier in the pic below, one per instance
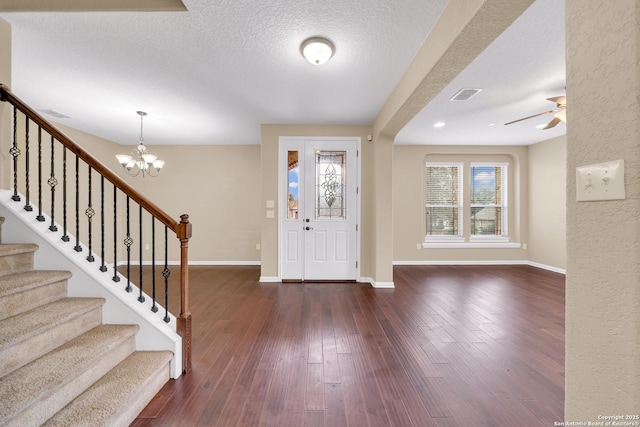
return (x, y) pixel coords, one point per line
(140, 160)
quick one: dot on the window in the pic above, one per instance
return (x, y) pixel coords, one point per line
(488, 191)
(466, 204)
(443, 200)
(292, 185)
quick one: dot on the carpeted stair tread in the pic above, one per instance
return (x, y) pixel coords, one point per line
(31, 323)
(21, 282)
(24, 291)
(48, 379)
(117, 398)
(15, 258)
(7, 249)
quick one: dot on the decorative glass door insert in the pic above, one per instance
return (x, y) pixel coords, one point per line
(330, 200)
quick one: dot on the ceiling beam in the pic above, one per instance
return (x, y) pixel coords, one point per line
(92, 6)
(463, 31)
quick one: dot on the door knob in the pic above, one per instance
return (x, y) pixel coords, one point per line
(307, 220)
(308, 228)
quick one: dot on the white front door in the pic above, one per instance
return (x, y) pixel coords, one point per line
(318, 239)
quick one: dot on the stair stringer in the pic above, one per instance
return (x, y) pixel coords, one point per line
(121, 307)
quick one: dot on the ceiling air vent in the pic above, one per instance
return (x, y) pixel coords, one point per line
(55, 114)
(465, 94)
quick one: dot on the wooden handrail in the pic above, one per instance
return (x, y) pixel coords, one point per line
(152, 208)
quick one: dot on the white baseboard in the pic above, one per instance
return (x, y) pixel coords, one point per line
(224, 262)
(267, 279)
(489, 262)
(467, 262)
(383, 285)
(377, 285)
(174, 262)
(547, 267)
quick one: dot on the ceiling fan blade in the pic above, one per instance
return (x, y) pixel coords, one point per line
(531, 117)
(560, 100)
(552, 123)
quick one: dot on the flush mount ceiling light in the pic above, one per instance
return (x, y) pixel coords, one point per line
(140, 159)
(317, 50)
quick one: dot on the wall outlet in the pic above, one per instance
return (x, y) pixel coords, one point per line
(257, 246)
(146, 246)
(418, 246)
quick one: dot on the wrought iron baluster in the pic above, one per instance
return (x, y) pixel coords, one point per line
(52, 181)
(77, 247)
(154, 307)
(166, 273)
(103, 267)
(27, 206)
(15, 152)
(40, 217)
(115, 278)
(89, 212)
(65, 236)
(128, 241)
(140, 297)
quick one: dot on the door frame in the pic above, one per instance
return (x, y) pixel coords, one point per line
(283, 181)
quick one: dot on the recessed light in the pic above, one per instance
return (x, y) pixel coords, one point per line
(439, 125)
(540, 126)
(492, 124)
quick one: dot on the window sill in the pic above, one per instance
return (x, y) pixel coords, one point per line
(471, 245)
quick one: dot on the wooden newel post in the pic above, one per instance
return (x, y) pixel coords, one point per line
(184, 320)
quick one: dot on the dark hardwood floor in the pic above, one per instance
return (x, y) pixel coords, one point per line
(449, 346)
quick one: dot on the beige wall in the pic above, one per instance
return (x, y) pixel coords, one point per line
(409, 199)
(216, 185)
(5, 113)
(603, 239)
(547, 203)
(269, 182)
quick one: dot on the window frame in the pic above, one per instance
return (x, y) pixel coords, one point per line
(504, 206)
(459, 236)
(464, 239)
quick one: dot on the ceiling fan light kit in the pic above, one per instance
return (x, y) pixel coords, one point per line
(559, 114)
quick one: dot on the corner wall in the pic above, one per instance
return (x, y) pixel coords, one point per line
(603, 237)
(547, 203)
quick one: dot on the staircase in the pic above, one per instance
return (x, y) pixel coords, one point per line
(59, 365)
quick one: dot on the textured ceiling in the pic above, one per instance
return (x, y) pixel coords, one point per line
(84, 5)
(213, 74)
(523, 67)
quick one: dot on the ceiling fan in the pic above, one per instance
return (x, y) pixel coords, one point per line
(559, 116)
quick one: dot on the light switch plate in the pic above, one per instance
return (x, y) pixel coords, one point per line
(270, 214)
(270, 204)
(602, 181)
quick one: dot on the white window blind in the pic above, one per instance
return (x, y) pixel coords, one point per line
(488, 188)
(443, 199)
